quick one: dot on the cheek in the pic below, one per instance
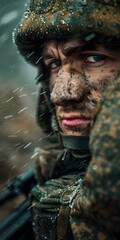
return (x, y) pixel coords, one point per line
(57, 111)
(107, 79)
(52, 82)
(99, 83)
(96, 95)
(102, 78)
(109, 72)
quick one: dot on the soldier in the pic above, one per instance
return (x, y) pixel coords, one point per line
(75, 45)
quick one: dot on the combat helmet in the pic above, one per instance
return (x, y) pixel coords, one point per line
(58, 19)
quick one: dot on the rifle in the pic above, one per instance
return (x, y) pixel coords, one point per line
(18, 224)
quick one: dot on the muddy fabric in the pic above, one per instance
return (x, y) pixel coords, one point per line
(96, 211)
(51, 200)
(51, 206)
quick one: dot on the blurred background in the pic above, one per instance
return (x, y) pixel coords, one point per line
(19, 133)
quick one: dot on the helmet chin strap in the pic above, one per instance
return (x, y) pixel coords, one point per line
(73, 143)
(77, 143)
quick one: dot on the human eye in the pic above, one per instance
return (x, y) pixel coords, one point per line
(54, 64)
(94, 59)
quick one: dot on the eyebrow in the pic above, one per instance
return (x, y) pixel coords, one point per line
(70, 50)
(86, 47)
(46, 56)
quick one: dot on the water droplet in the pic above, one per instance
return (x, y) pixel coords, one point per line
(90, 37)
(90, 26)
(80, 10)
(100, 23)
(94, 167)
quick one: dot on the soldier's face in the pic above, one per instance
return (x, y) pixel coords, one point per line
(79, 74)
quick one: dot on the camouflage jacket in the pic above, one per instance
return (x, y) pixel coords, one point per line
(96, 210)
(52, 198)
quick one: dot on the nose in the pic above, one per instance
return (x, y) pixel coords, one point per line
(69, 87)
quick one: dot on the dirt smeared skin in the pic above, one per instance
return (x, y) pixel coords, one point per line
(72, 92)
(69, 87)
(77, 87)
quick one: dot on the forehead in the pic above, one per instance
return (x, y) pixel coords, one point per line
(63, 44)
(66, 46)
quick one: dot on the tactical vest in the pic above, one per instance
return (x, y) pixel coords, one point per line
(51, 204)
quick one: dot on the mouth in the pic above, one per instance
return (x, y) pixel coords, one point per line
(74, 121)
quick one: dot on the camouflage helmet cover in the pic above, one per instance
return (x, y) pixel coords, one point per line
(66, 18)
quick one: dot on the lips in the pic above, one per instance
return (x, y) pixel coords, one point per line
(74, 121)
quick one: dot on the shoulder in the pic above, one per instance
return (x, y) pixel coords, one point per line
(106, 130)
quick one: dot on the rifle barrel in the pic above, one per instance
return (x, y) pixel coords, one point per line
(17, 225)
(18, 185)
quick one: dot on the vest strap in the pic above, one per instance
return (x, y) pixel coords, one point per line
(63, 230)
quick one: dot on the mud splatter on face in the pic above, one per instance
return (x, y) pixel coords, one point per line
(78, 95)
(69, 87)
(77, 83)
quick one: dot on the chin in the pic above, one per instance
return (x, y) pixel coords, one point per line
(77, 133)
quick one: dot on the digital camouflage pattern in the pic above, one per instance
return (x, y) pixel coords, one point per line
(96, 211)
